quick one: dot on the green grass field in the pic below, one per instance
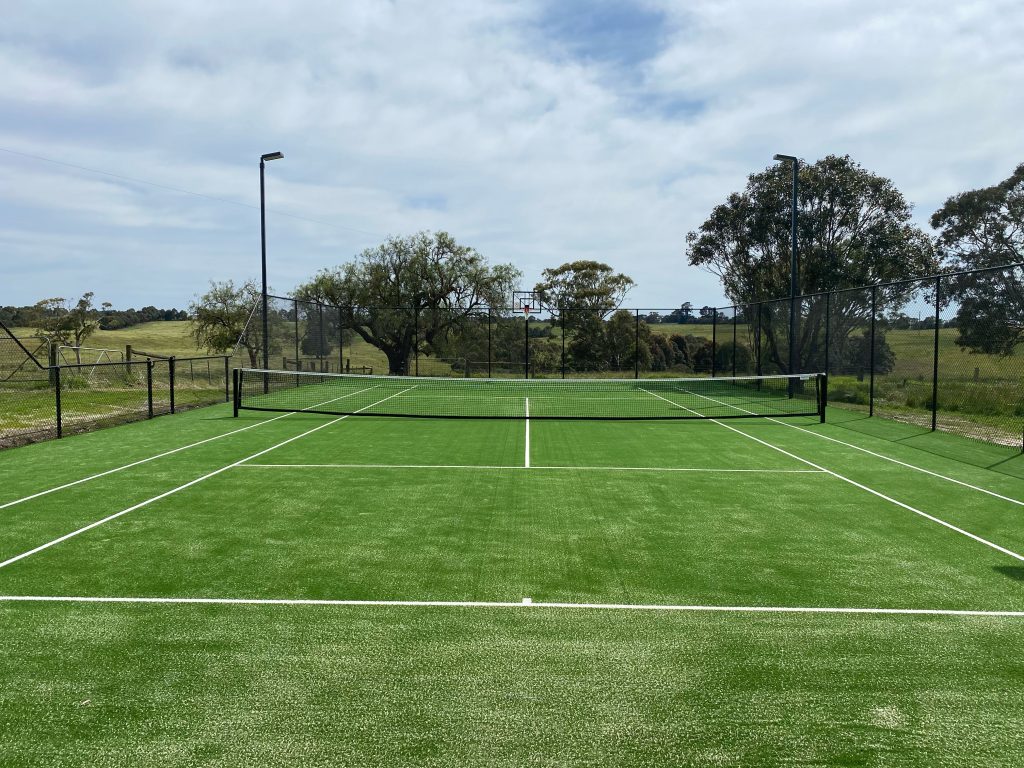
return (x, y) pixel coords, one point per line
(302, 589)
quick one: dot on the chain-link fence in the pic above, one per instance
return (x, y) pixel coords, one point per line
(42, 397)
(940, 352)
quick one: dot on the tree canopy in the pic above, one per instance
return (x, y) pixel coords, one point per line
(854, 228)
(411, 291)
(66, 324)
(220, 319)
(985, 228)
(583, 285)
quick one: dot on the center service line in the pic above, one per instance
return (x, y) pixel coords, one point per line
(527, 464)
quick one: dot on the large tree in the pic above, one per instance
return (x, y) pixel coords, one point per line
(580, 296)
(984, 228)
(226, 316)
(412, 291)
(854, 228)
(69, 325)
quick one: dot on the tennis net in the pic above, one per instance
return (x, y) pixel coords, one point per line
(698, 398)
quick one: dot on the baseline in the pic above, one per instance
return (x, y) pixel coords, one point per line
(161, 455)
(189, 484)
(863, 487)
(526, 603)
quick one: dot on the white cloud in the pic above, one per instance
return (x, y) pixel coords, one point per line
(528, 152)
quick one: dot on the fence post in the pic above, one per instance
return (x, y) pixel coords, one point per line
(489, 356)
(236, 392)
(341, 342)
(734, 342)
(526, 325)
(636, 349)
(871, 357)
(935, 356)
(56, 389)
(828, 329)
(561, 315)
(416, 341)
(170, 376)
(714, 339)
(757, 340)
(149, 385)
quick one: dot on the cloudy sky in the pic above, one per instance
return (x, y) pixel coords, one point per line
(537, 132)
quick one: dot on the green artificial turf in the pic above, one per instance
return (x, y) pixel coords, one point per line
(641, 513)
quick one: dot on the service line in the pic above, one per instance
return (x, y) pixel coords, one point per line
(526, 603)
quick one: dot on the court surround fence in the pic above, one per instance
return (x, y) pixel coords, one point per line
(42, 397)
(904, 350)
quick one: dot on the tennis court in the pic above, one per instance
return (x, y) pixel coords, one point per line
(341, 587)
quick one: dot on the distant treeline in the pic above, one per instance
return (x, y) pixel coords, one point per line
(109, 319)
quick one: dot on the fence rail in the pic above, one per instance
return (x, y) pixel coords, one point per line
(39, 401)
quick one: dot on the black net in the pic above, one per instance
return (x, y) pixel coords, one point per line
(725, 397)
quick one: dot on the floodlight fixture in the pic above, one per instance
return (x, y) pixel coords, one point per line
(271, 156)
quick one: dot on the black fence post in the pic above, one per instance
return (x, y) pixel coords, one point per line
(149, 384)
(170, 376)
(828, 329)
(526, 325)
(757, 341)
(871, 356)
(714, 340)
(636, 349)
(734, 342)
(321, 346)
(416, 341)
(561, 315)
(56, 390)
(489, 355)
(298, 356)
(236, 392)
(935, 355)
(341, 342)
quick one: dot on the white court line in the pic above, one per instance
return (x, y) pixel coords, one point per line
(165, 453)
(876, 455)
(527, 462)
(534, 466)
(854, 483)
(182, 487)
(525, 603)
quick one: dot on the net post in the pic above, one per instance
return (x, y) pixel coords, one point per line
(935, 354)
(149, 385)
(823, 395)
(871, 356)
(56, 390)
(170, 375)
(236, 392)
(714, 339)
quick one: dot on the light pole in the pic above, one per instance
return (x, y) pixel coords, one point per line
(263, 263)
(794, 287)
